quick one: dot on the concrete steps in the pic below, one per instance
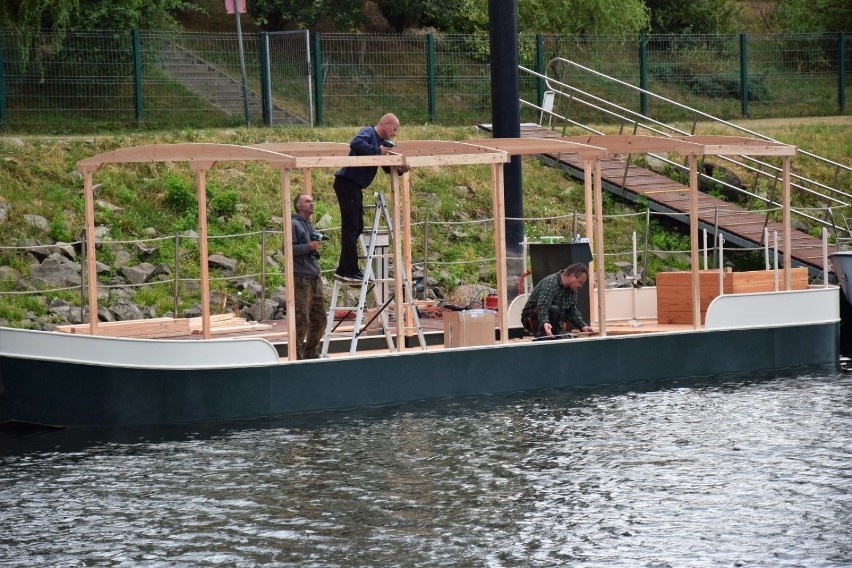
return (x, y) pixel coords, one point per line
(218, 87)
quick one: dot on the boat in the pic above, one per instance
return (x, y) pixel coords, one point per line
(842, 261)
(94, 378)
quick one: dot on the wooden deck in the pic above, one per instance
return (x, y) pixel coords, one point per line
(739, 226)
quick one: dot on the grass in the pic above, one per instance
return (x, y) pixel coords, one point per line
(37, 176)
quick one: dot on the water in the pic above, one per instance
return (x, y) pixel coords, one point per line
(740, 471)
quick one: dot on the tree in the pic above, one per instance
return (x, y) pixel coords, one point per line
(616, 17)
(811, 16)
(694, 17)
(60, 15)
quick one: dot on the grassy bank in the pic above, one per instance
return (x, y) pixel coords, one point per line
(152, 203)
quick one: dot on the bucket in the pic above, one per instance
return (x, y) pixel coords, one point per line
(491, 302)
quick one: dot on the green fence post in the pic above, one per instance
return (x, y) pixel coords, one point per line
(137, 75)
(430, 74)
(841, 72)
(318, 78)
(539, 67)
(265, 86)
(743, 75)
(643, 74)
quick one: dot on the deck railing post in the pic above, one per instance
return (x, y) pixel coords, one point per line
(177, 276)
(425, 256)
(263, 266)
(82, 275)
(766, 248)
(775, 258)
(647, 237)
(705, 247)
(824, 257)
(721, 241)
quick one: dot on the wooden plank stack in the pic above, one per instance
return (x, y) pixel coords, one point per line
(168, 327)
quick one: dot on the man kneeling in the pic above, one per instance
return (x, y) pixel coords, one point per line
(552, 306)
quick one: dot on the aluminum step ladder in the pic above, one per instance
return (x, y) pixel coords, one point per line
(376, 280)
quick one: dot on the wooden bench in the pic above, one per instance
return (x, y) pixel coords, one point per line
(674, 289)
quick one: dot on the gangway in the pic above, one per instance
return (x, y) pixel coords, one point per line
(737, 224)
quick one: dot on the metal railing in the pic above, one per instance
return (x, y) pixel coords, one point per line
(834, 197)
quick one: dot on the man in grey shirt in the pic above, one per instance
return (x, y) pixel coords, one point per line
(310, 308)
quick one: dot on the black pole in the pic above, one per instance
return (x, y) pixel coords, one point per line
(506, 121)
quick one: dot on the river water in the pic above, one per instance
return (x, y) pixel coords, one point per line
(729, 471)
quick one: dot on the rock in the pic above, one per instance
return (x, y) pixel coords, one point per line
(144, 272)
(470, 294)
(462, 191)
(106, 206)
(104, 314)
(192, 312)
(250, 286)
(261, 311)
(122, 257)
(101, 233)
(38, 253)
(66, 250)
(37, 221)
(57, 273)
(126, 311)
(656, 164)
(4, 209)
(145, 252)
(8, 274)
(218, 260)
(324, 222)
(149, 232)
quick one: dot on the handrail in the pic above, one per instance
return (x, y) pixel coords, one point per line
(834, 196)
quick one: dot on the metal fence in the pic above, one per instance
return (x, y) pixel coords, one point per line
(80, 81)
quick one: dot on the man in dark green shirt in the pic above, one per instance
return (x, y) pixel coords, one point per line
(553, 303)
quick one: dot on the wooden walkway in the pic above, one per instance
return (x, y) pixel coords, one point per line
(738, 225)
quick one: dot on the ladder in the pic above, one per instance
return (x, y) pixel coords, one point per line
(375, 281)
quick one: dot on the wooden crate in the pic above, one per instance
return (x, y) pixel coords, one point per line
(674, 290)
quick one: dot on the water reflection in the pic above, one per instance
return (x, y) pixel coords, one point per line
(752, 471)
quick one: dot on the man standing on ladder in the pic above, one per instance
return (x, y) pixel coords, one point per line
(349, 184)
(310, 312)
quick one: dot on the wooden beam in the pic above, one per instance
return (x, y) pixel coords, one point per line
(598, 190)
(693, 241)
(203, 252)
(92, 278)
(289, 275)
(499, 208)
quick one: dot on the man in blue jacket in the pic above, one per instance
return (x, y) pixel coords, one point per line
(310, 309)
(349, 184)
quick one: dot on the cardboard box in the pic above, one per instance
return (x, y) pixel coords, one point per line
(470, 327)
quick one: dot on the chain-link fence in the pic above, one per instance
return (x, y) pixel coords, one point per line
(87, 81)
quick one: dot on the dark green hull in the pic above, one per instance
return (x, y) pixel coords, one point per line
(75, 394)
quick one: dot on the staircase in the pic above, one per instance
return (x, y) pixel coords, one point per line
(216, 86)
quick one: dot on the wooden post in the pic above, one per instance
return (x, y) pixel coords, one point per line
(599, 248)
(590, 232)
(292, 337)
(88, 191)
(788, 238)
(202, 248)
(499, 208)
(307, 181)
(399, 309)
(406, 232)
(693, 240)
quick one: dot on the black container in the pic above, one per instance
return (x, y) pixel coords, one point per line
(549, 258)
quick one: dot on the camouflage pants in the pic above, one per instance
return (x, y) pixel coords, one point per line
(310, 317)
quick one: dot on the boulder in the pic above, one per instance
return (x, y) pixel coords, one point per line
(218, 260)
(126, 311)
